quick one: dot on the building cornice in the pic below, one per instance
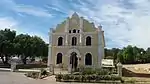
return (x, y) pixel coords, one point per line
(71, 47)
(74, 33)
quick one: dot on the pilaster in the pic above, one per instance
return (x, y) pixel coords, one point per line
(81, 29)
(66, 31)
(50, 47)
(100, 46)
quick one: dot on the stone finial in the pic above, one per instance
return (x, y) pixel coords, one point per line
(51, 30)
(100, 28)
(75, 14)
(119, 64)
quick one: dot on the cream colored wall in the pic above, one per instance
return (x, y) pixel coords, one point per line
(83, 51)
(81, 47)
(88, 30)
(87, 26)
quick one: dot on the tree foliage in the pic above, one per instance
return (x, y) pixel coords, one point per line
(129, 54)
(22, 45)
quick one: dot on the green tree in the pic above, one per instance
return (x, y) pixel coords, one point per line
(29, 46)
(23, 46)
(115, 51)
(128, 54)
(120, 56)
(6, 44)
(108, 53)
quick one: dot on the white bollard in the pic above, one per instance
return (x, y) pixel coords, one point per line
(119, 69)
(13, 66)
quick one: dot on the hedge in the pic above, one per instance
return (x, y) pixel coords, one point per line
(87, 78)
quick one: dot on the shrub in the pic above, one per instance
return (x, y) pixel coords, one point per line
(58, 77)
(88, 71)
(29, 66)
(132, 80)
(44, 60)
(108, 77)
(116, 77)
(93, 77)
(76, 73)
(66, 77)
(98, 78)
(77, 77)
(102, 71)
(44, 72)
(83, 78)
(89, 77)
(114, 71)
(71, 77)
(32, 74)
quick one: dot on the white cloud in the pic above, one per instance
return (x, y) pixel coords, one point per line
(31, 10)
(11, 23)
(124, 22)
(27, 9)
(123, 26)
(7, 22)
(21, 9)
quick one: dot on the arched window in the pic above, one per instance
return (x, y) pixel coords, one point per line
(74, 31)
(88, 41)
(59, 58)
(74, 41)
(78, 31)
(88, 59)
(69, 31)
(60, 41)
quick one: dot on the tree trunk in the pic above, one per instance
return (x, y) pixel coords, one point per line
(6, 59)
(24, 60)
(2, 57)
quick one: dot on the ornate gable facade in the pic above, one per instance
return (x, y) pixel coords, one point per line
(76, 42)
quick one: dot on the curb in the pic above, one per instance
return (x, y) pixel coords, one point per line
(19, 70)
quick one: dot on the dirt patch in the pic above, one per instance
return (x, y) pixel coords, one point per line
(137, 70)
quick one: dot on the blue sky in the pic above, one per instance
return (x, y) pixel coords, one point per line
(124, 21)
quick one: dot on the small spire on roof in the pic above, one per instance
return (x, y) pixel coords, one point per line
(99, 28)
(75, 14)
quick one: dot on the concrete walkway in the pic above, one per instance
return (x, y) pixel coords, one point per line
(20, 78)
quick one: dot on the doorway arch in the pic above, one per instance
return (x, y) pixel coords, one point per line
(76, 55)
(73, 60)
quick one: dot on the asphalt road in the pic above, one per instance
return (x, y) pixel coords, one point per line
(19, 78)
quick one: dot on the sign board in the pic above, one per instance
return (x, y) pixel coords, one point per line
(107, 62)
